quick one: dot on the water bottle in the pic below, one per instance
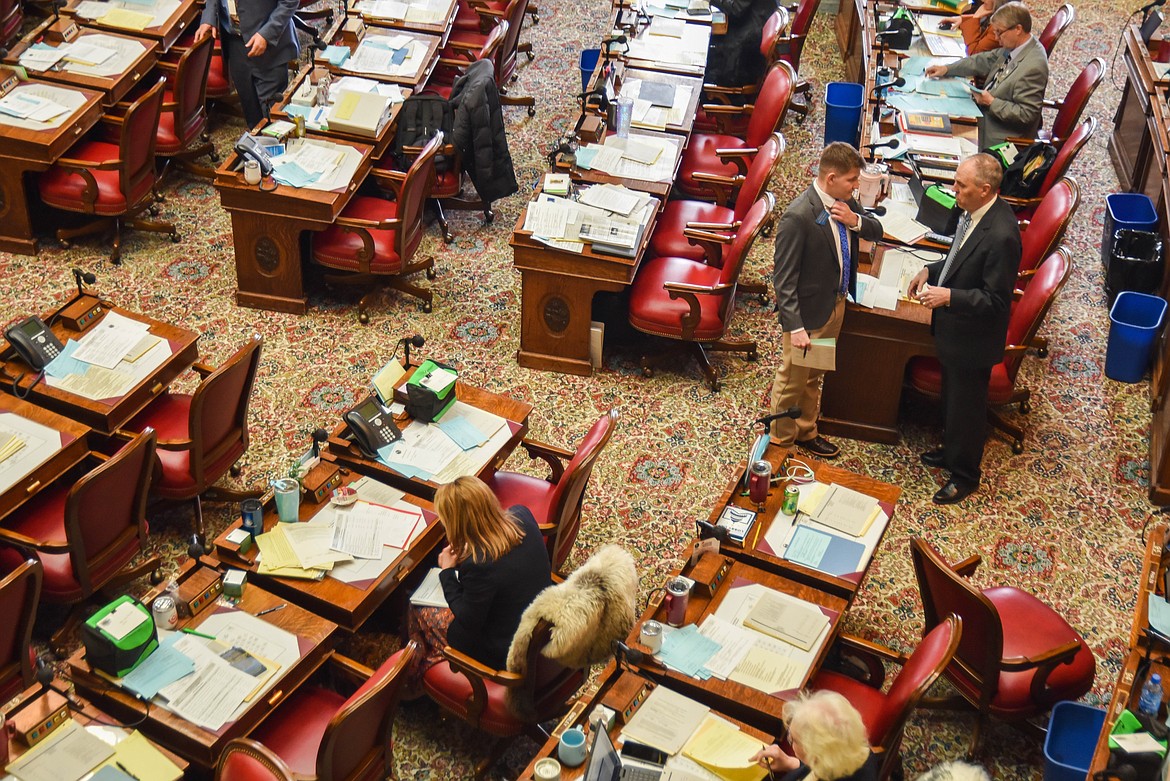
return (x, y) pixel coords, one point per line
(1151, 697)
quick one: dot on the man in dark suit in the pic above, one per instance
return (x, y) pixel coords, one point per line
(815, 265)
(970, 295)
(258, 41)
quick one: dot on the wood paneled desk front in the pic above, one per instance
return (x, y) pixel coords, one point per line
(31, 147)
(268, 227)
(52, 446)
(151, 374)
(202, 747)
(758, 551)
(347, 604)
(170, 22)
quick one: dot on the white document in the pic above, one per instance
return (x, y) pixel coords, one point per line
(41, 443)
(899, 223)
(425, 447)
(734, 642)
(41, 59)
(665, 721)
(613, 198)
(56, 104)
(430, 592)
(768, 671)
(364, 569)
(370, 490)
(93, 9)
(123, 620)
(119, 54)
(66, 755)
(312, 544)
(400, 524)
(254, 635)
(358, 532)
(108, 342)
(547, 219)
(213, 694)
(469, 462)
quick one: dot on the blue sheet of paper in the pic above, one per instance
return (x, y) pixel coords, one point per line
(823, 551)
(585, 157)
(65, 364)
(687, 651)
(1159, 614)
(336, 55)
(952, 107)
(293, 175)
(462, 432)
(161, 668)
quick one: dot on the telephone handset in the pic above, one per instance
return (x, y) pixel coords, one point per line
(372, 426)
(34, 342)
(251, 148)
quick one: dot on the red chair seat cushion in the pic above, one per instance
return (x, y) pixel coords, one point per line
(513, 488)
(926, 376)
(868, 701)
(338, 248)
(700, 156)
(169, 415)
(448, 184)
(64, 188)
(451, 690)
(218, 85)
(652, 310)
(668, 239)
(43, 517)
(294, 731)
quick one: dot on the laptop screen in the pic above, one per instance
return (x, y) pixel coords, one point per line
(604, 763)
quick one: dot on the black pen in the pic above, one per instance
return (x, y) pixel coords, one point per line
(271, 610)
(124, 770)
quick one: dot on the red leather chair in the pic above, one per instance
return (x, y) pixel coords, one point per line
(374, 240)
(727, 155)
(1060, 21)
(20, 593)
(246, 760)
(86, 534)
(477, 15)
(459, 53)
(774, 28)
(1017, 656)
(317, 733)
(676, 216)
(1026, 318)
(182, 129)
(1025, 207)
(1041, 235)
(201, 436)
(885, 713)
(505, 56)
(791, 47)
(114, 182)
(691, 301)
(1069, 110)
(11, 20)
(556, 501)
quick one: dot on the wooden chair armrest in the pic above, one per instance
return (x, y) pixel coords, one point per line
(463, 46)
(1027, 273)
(705, 235)
(353, 671)
(738, 156)
(1014, 349)
(1017, 294)
(175, 445)
(452, 63)
(167, 67)
(204, 370)
(713, 226)
(555, 457)
(88, 165)
(1021, 141)
(1020, 203)
(721, 109)
(1054, 656)
(1052, 103)
(112, 119)
(557, 578)
(357, 222)
(16, 538)
(861, 644)
(686, 287)
(719, 89)
(720, 179)
(966, 568)
(393, 179)
(462, 663)
(1023, 224)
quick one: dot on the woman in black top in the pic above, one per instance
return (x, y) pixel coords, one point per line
(828, 741)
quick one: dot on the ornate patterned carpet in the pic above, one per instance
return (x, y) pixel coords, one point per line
(1062, 519)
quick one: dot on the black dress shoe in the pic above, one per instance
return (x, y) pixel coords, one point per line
(819, 446)
(936, 458)
(953, 492)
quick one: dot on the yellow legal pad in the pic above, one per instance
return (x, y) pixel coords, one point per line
(131, 20)
(721, 748)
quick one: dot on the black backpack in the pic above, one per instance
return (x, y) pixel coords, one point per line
(418, 119)
(1023, 177)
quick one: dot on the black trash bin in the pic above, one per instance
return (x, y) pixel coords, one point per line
(1135, 263)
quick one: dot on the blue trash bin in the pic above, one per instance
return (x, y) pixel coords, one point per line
(843, 101)
(1134, 322)
(589, 58)
(1132, 211)
(1072, 737)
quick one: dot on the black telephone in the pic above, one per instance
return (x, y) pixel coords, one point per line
(34, 342)
(372, 426)
(251, 148)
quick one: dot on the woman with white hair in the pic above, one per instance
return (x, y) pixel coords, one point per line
(828, 742)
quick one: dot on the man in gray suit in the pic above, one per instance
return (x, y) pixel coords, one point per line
(1014, 77)
(815, 265)
(258, 41)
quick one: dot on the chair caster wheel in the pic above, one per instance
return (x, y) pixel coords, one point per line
(532, 111)
(116, 259)
(1042, 352)
(65, 243)
(1025, 407)
(489, 216)
(214, 156)
(153, 210)
(448, 238)
(363, 318)
(753, 356)
(531, 55)
(234, 470)
(156, 577)
(426, 307)
(1018, 447)
(647, 371)
(431, 273)
(176, 238)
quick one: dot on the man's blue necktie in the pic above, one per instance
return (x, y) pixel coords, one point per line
(843, 236)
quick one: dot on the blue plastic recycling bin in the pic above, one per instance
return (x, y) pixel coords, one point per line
(1133, 211)
(589, 58)
(1072, 737)
(1134, 322)
(843, 101)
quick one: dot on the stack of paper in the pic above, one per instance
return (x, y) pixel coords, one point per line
(791, 620)
(10, 444)
(143, 761)
(688, 651)
(720, 747)
(846, 510)
(430, 592)
(67, 754)
(110, 341)
(612, 218)
(279, 558)
(41, 56)
(23, 105)
(665, 721)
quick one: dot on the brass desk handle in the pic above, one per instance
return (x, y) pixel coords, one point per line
(32, 486)
(158, 386)
(137, 76)
(275, 698)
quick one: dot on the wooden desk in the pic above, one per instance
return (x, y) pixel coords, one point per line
(759, 553)
(166, 32)
(57, 445)
(557, 288)
(107, 415)
(440, 23)
(31, 148)
(267, 229)
(599, 692)
(515, 412)
(742, 702)
(673, 79)
(346, 604)
(200, 746)
(425, 62)
(116, 86)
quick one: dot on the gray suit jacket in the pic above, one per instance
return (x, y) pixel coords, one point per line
(271, 18)
(1018, 92)
(805, 273)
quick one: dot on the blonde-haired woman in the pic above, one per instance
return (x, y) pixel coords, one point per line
(494, 565)
(828, 742)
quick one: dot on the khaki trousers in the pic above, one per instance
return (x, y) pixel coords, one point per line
(801, 386)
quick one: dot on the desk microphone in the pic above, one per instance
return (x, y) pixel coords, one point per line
(1145, 9)
(707, 530)
(899, 82)
(791, 412)
(44, 677)
(412, 341)
(88, 277)
(876, 211)
(319, 436)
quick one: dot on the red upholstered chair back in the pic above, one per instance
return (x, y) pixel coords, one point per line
(1029, 312)
(758, 174)
(420, 180)
(190, 89)
(105, 512)
(137, 142)
(506, 59)
(945, 592)
(801, 24)
(567, 496)
(356, 741)
(771, 104)
(20, 592)
(773, 28)
(11, 19)
(1077, 98)
(246, 760)
(919, 673)
(1067, 153)
(745, 237)
(1060, 21)
(1049, 223)
(545, 682)
(219, 414)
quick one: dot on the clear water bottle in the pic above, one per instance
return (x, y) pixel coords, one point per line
(1151, 697)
